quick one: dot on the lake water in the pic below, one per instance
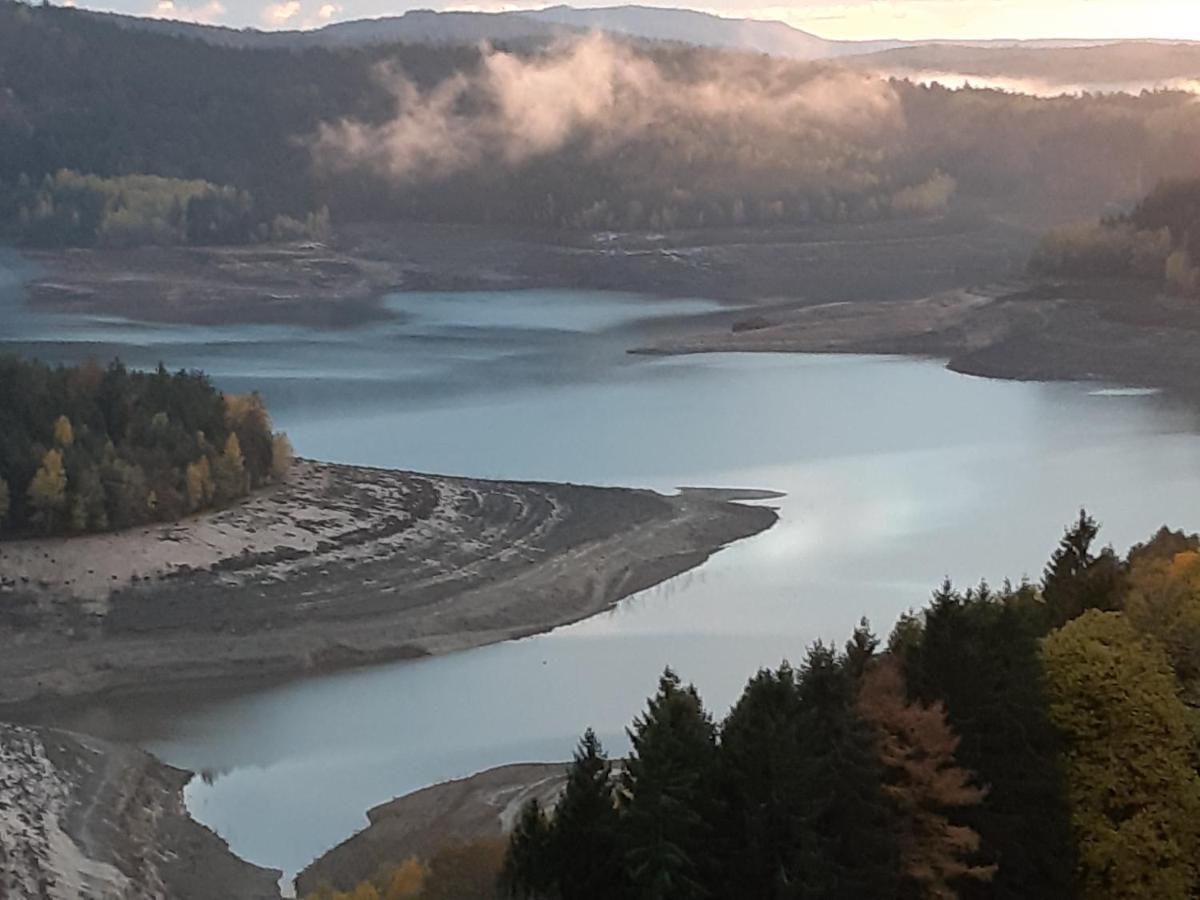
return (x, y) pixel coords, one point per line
(896, 474)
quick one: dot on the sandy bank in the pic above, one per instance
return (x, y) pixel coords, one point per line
(80, 817)
(341, 566)
(418, 824)
(1114, 332)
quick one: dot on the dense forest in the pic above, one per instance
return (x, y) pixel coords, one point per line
(89, 448)
(590, 135)
(1036, 741)
(1159, 241)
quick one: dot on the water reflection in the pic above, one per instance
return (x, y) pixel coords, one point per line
(896, 474)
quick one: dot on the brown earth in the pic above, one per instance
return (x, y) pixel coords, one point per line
(340, 566)
(419, 824)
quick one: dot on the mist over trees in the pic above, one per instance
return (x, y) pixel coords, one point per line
(87, 448)
(591, 134)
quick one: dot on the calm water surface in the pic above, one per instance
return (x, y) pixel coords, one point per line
(897, 473)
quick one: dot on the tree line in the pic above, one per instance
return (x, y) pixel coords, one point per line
(88, 448)
(1035, 741)
(68, 209)
(86, 95)
(1158, 241)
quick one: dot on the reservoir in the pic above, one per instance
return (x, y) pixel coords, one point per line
(896, 473)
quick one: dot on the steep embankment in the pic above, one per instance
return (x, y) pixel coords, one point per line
(340, 566)
(80, 817)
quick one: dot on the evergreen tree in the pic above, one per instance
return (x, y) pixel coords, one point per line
(670, 806)
(528, 870)
(768, 835)
(979, 657)
(1075, 580)
(584, 841)
(854, 852)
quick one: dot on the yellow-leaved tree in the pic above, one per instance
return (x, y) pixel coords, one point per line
(64, 434)
(281, 456)
(200, 487)
(405, 881)
(1164, 601)
(229, 477)
(1134, 790)
(48, 491)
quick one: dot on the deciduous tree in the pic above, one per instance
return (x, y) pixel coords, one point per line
(924, 783)
(1135, 794)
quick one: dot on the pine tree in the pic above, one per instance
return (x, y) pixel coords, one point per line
(670, 806)
(924, 783)
(584, 841)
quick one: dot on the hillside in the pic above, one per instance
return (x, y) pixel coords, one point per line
(652, 23)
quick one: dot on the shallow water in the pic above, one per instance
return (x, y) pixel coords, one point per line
(897, 473)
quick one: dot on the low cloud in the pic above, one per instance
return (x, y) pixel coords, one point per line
(183, 12)
(281, 13)
(603, 93)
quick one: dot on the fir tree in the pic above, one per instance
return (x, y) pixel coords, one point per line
(670, 805)
(527, 871)
(767, 788)
(584, 841)
(854, 852)
(1075, 580)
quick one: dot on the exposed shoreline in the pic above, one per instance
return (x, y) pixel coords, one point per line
(81, 817)
(1116, 332)
(340, 567)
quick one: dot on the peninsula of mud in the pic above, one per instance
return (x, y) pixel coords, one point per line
(340, 566)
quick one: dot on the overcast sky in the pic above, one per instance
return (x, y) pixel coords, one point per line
(851, 19)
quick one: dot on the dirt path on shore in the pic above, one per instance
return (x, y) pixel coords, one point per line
(341, 566)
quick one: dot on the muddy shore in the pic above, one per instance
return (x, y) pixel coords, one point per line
(80, 817)
(341, 566)
(483, 806)
(342, 284)
(1121, 333)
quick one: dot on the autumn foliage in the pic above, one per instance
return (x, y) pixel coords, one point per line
(90, 449)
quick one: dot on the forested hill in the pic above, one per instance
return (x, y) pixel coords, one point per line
(590, 134)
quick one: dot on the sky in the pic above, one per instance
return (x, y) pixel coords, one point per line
(854, 19)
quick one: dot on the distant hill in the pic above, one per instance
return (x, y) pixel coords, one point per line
(642, 22)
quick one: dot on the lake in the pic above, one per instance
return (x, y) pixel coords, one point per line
(896, 473)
